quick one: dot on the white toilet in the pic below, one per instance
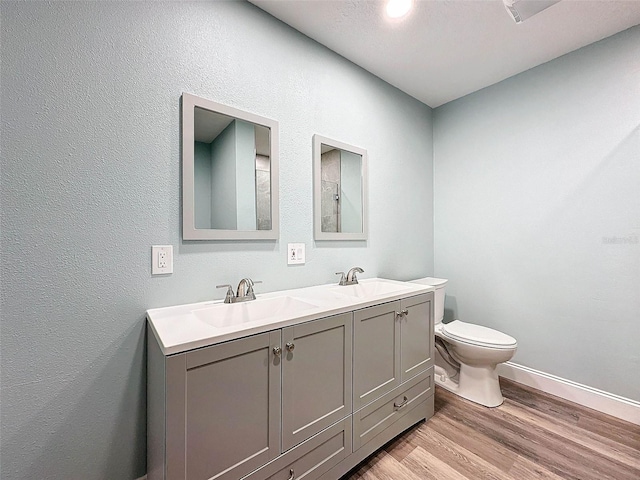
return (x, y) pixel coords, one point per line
(467, 355)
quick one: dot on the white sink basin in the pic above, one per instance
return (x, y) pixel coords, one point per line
(369, 289)
(227, 314)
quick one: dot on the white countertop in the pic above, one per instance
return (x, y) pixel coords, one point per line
(181, 328)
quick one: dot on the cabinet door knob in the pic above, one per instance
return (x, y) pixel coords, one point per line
(277, 351)
(292, 474)
(290, 346)
(401, 404)
(405, 312)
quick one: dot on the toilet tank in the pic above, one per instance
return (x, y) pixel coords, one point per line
(439, 284)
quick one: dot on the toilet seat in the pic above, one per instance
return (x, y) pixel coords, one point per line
(477, 335)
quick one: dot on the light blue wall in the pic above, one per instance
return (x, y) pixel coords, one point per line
(537, 211)
(90, 179)
(351, 192)
(246, 175)
(202, 184)
(224, 209)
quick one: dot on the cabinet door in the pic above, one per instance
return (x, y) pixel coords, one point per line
(316, 377)
(376, 352)
(232, 413)
(416, 335)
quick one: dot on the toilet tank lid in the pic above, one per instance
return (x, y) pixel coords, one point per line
(432, 281)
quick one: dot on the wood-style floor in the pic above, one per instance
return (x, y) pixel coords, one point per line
(532, 435)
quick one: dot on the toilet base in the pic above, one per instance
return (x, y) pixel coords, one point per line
(478, 384)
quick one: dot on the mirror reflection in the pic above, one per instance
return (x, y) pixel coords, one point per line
(340, 186)
(341, 201)
(230, 172)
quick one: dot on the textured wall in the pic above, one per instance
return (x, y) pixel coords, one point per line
(91, 179)
(537, 212)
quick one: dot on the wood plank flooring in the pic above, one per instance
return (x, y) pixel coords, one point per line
(531, 436)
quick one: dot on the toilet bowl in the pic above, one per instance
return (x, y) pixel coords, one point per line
(467, 355)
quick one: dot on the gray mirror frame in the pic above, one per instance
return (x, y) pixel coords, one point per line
(189, 232)
(318, 140)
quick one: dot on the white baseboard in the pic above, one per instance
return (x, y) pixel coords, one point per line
(604, 402)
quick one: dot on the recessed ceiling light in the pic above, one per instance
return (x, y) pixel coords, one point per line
(398, 8)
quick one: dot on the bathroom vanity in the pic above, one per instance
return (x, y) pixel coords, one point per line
(302, 383)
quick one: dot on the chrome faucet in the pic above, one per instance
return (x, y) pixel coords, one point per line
(244, 293)
(245, 290)
(351, 278)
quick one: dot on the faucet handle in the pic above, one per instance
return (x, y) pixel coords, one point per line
(343, 279)
(250, 289)
(229, 295)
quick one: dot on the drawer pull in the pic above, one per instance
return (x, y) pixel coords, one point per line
(401, 404)
(292, 474)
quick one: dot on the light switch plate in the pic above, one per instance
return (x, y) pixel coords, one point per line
(295, 253)
(161, 259)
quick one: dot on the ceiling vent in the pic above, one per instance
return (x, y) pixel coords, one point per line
(520, 10)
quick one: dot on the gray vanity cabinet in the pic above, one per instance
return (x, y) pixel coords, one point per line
(213, 412)
(316, 377)
(393, 343)
(224, 411)
(310, 400)
(231, 408)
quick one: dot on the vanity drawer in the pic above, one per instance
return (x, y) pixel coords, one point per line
(375, 417)
(311, 458)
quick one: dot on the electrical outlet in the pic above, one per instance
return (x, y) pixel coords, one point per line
(295, 253)
(161, 259)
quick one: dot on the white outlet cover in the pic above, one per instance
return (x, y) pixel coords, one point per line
(295, 254)
(161, 259)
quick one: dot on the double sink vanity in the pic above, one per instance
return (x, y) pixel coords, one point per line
(303, 383)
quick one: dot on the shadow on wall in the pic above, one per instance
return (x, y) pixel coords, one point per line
(72, 421)
(450, 309)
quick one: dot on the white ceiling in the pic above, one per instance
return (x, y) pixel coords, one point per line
(445, 49)
(207, 125)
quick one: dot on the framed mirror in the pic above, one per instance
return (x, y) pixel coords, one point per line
(229, 173)
(339, 190)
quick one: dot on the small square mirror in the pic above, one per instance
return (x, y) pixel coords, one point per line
(229, 173)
